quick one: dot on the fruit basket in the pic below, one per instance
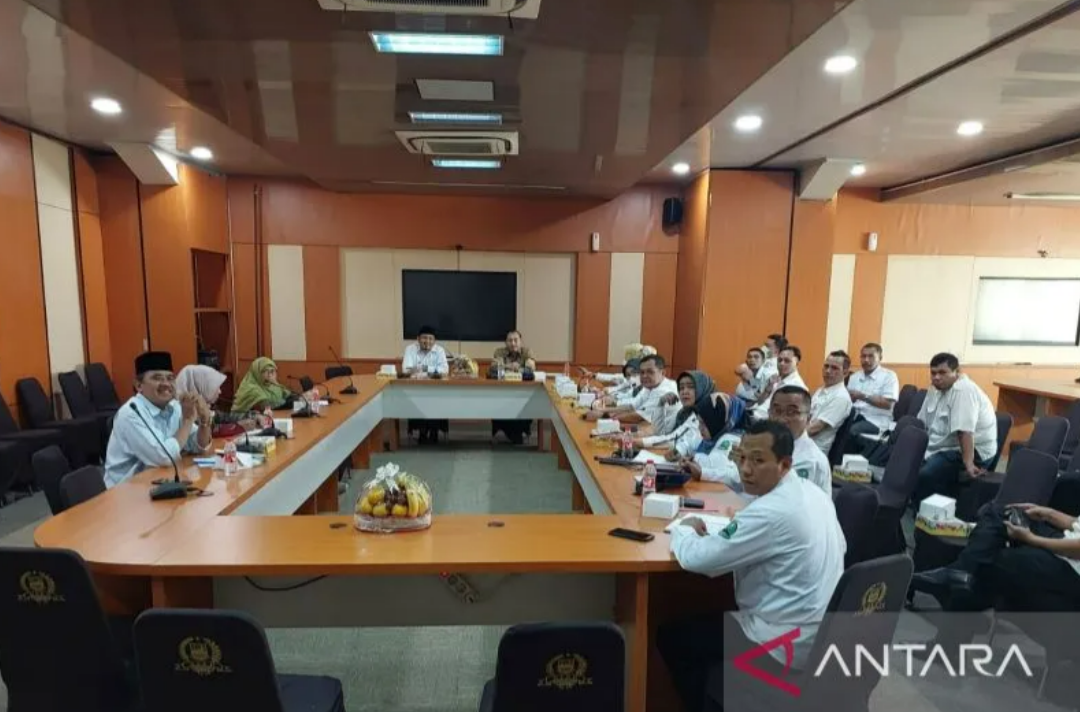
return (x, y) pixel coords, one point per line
(393, 501)
(464, 367)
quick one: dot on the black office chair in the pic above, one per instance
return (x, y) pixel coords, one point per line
(1004, 425)
(12, 456)
(101, 386)
(1048, 437)
(879, 456)
(213, 660)
(83, 434)
(50, 468)
(543, 667)
(902, 406)
(836, 451)
(81, 485)
(1069, 443)
(856, 508)
(306, 384)
(897, 485)
(81, 405)
(30, 441)
(338, 371)
(863, 611)
(917, 401)
(58, 651)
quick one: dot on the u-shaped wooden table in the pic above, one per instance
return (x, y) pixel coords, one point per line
(207, 551)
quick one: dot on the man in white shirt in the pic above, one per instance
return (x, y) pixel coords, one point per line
(648, 405)
(787, 365)
(831, 404)
(774, 344)
(962, 425)
(426, 359)
(752, 375)
(791, 407)
(786, 551)
(873, 391)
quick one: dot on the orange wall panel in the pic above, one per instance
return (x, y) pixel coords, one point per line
(86, 190)
(690, 274)
(658, 301)
(121, 248)
(811, 267)
(24, 348)
(322, 300)
(593, 306)
(95, 290)
(244, 313)
(867, 301)
(745, 267)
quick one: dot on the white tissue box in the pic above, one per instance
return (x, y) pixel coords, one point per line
(855, 463)
(284, 425)
(566, 389)
(605, 426)
(661, 506)
(585, 400)
(937, 508)
(539, 376)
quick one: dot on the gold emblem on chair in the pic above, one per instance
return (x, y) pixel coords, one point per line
(873, 599)
(201, 656)
(38, 587)
(566, 672)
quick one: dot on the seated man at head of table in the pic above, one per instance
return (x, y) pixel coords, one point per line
(425, 359)
(154, 429)
(786, 551)
(514, 357)
(658, 392)
(787, 374)
(830, 405)
(873, 390)
(962, 425)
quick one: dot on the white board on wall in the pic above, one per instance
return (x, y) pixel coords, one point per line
(841, 286)
(626, 293)
(927, 307)
(288, 323)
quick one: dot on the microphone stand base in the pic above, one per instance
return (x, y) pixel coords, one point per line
(350, 391)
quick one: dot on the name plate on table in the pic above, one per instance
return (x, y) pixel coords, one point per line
(585, 400)
(566, 389)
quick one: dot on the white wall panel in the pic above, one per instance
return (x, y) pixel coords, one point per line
(372, 325)
(546, 309)
(927, 307)
(60, 274)
(627, 289)
(288, 331)
(841, 285)
(52, 172)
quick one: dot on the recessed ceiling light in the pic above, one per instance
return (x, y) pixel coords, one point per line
(202, 153)
(748, 123)
(840, 64)
(970, 128)
(681, 168)
(107, 106)
(430, 43)
(453, 117)
(487, 163)
(858, 170)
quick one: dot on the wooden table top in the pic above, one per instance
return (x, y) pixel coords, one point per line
(123, 532)
(1049, 389)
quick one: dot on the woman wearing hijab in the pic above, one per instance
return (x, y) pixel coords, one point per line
(260, 388)
(207, 382)
(678, 429)
(717, 417)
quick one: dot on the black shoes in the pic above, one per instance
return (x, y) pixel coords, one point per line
(942, 582)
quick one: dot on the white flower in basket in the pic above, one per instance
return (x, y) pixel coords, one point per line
(393, 501)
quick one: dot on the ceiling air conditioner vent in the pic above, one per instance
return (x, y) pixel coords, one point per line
(524, 9)
(460, 143)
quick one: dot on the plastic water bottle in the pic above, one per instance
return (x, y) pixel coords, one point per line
(230, 460)
(500, 370)
(648, 482)
(566, 369)
(627, 443)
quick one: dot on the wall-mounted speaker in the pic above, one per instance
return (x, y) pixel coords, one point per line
(672, 213)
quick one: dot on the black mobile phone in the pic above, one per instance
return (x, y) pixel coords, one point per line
(1018, 517)
(691, 503)
(631, 535)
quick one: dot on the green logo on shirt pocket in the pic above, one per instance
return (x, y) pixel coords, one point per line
(728, 531)
(726, 445)
(803, 472)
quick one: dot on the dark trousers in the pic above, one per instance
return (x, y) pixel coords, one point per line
(940, 474)
(1017, 578)
(857, 445)
(515, 430)
(692, 647)
(428, 429)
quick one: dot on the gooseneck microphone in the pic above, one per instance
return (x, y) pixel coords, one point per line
(166, 490)
(307, 411)
(349, 390)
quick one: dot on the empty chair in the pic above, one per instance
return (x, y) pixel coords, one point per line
(211, 660)
(82, 484)
(306, 384)
(897, 485)
(1004, 425)
(338, 371)
(57, 649)
(902, 406)
(1030, 478)
(50, 467)
(856, 509)
(82, 434)
(917, 401)
(542, 667)
(102, 389)
(11, 458)
(80, 404)
(30, 441)
(1048, 436)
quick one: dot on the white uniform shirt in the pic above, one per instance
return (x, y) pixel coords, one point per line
(717, 465)
(881, 382)
(831, 405)
(752, 389)
(761, 412)
(1074, 534)
(768, 368)
(433, 361)
(684, 438)
(810, 463)
(647, 403)
(962, 408)
(786, 550)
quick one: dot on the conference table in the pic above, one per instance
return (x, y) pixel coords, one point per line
(247, 545)
(1028, 400)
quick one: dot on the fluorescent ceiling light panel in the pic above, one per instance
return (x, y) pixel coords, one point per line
(1062, 197)
(430, 43)
(454, 117)
(485, 163)
(455, 90)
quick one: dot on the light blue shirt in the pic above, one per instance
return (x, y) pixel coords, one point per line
(132, 446)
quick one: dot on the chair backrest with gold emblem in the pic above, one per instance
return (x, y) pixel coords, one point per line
(57, 648)
(569, 667)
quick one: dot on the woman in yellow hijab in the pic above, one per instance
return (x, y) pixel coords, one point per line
(260, 388)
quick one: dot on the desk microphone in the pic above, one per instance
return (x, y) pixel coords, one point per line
(307, 411)
(349, 390)
(166, 490)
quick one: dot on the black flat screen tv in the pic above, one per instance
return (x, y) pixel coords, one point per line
(460, 306)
